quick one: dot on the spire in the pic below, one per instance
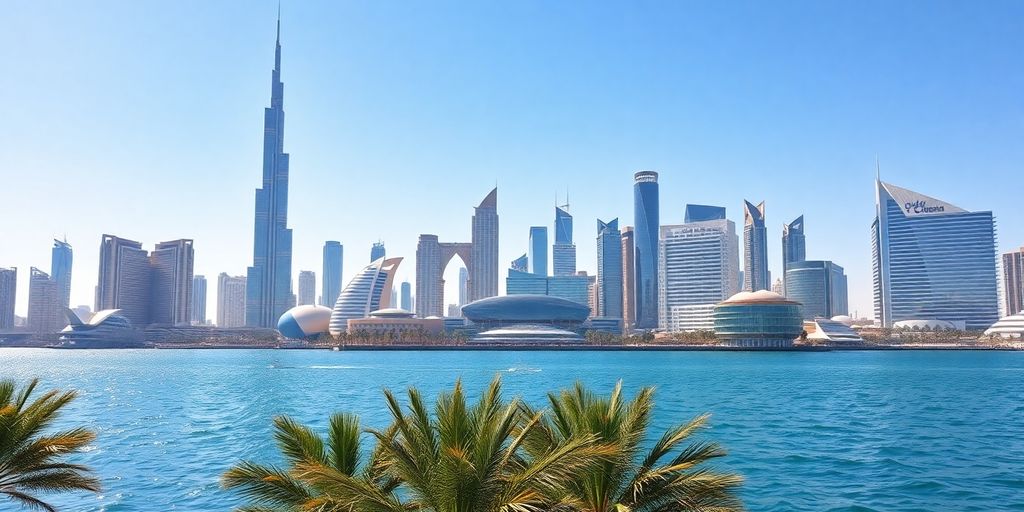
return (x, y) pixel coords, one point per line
(279, 22)
(277, 44)
(878, 169)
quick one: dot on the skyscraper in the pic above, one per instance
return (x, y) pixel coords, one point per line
(819, 286)
(521, 264)
(609, 269)
(230, 300)
(699, 268)
(932, 260)
(377, 251)
(148, 288)
(171, 264)
(330, 286)
(563, 252)
(406, 296)
(307, 288)
(44, 313)
(538, 255)
(794, 246)
(483, 280)
(8, 292)
(368, 291)
(645, 260)
(1013, 282)
(61, 257)
(463, 286)
(198, 300)
(269, 279)
(628, 290)
(755, 248)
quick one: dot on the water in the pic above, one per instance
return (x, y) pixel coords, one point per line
(856, 431)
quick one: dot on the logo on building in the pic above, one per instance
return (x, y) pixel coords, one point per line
(922, 207)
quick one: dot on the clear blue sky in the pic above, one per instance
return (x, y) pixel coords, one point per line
(144, 120)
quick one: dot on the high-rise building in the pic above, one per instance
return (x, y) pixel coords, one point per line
(61, 257)
(819, 286)
(377, 251)
(198, 300)
(645, 259)
(1013, 282)
(148, 288)
(794, 246)
(521, 264)
(307, 288)
(755, 248)
(368, 291)
(8, 292)
(525, 283)
(563, 251)
(628, 290)
(171, 282)
(777, 287)
(538, 255)
(932, 260)
(699, 267)
(702, 212)
(330, 285)
(44, 311)
(483, 279)
(574, 287)
(406, 296)
(463, 286)
(269, 279)
(609, 269)
(230, 300)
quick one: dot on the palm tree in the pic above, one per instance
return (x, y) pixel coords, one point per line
(631, 480)
(31, 461)
(322, 475)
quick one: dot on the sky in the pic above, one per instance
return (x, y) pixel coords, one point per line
(144, 120)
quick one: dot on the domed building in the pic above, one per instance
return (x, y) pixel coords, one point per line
(526, 320)
(1008, 327)
(304, 322)
(368, 291)
(760, 319)
(106, 329)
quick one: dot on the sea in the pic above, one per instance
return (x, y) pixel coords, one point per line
(809, 431)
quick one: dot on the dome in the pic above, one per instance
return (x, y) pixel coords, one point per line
(760, 319)
(525, 309)
(932, 324)
(1008, 327)
(304, 321)
(758, 297)
(391, 313)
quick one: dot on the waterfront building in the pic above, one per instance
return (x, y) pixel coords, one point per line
(385, 322)
(305, 321)
(269, 279)
(61, 257)
(105, 329)
(171, 265)
(406, 302)
(1010, 326)
(480, 257)
(1013, 282)
(820, 286)
(8, 294)
(82, 312)
(831, 331)
(377, 251)
(932, 260)
(794, 245)
(463, 286)
(198, 300)
(44, 312)
(690, 318)
(521, 264)
(609, 269)
(699, 263)
(307, 288)
(330, 285)
(759, 319)
(538, 254)
(628, 276)
(563, 252)
(510, 310)
(230, 300)
(124, 279)
(755, 248)
(366, 292)
(645, 260)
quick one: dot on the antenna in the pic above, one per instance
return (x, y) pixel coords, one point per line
(878, 169)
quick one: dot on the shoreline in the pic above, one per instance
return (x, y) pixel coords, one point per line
(540, 348)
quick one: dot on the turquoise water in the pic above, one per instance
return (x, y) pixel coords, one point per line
(857, 431)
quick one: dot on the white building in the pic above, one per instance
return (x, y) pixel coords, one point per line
(698, 268)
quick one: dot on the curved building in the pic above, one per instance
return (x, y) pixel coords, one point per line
(106, 328)
(820, 286)
(365, 293)
(507, 310)
(304, 321)
(1008, 327)
(758, 319)
(645, 239)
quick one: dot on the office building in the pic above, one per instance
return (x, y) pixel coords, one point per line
(171, 265)
(932, 260)
(307, 288)
(645, 240)
(760, 319)
(269, 279)
(199, 300)
(230, 300)
(609, 269)
(525, 283)
(755, 248)
(794, 246)
(702, 212)
(61, 257)
(483, 274)
(521, 264)
(463, 286)
(1013, 282)
(377, 251)
(148, 288)
(364, 294)
(628, 276)
(538, 254)
(574, 287)
(406, 303)
(563, 252)
(44, 312)
(699, 263)
(819, 286)
(330, 285)
(8, 293)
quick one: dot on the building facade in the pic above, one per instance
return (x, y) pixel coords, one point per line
(628, 276)
(61, 258)
(199, 300)
(819, 286)
(755, 248)
(463, 286)
(330, 285)
(377, 251)
(932, 260)
(538, 255)
(1013, 282)
(124, 279)
(364, 294)
(645, 260)
(609, 269)
(406, 291)
(171, 265)
(483, 278)
(794, 245)
(563, 252)
(307, 288)
(44, 312)
(8, 294)
(269, 279)
(230, 300)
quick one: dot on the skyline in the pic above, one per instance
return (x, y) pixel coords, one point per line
(598, 180)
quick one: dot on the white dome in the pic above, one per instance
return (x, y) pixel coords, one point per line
(760, 296)
(304, 321)
(1008, 327)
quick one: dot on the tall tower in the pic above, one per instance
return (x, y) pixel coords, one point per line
(609, 269)
(1013, 282)
(60, 271)
(483, 280)
(268, 280)
(645, 261)
(171, 265)
(794, 247)
(538, 255)
(199, 300)
(628, 274)
(307, 288)
(563, 251)
(330, 285)
(377, 251)
(755, 248)
(8, 287)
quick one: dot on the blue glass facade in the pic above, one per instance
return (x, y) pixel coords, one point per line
(754, 319)
(330, 279)
(609, 270)
(794, 246)
(525, 283)
(820, 288)
(538, 255)
(563, 252)
(703, 213)
(61, 257)
(932, 261)
(755, 248)
(645, 247)
(377, 251)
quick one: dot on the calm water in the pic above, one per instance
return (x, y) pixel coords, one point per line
(851, 431)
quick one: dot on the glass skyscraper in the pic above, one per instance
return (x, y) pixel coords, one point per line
(330, 285)
(755, 248)
(198, 300)
(483, 278)
(819, 286)
(406, 291)
(269, 279)
(563, 252)
(377, 251)
(609, 269)
(794, 246)
(8, 289)
(61, 257)
(1013, 282)
(628, 274)
(932, 260)
(307, 288)
(645, 260)
(538, 255)
(230, 300)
